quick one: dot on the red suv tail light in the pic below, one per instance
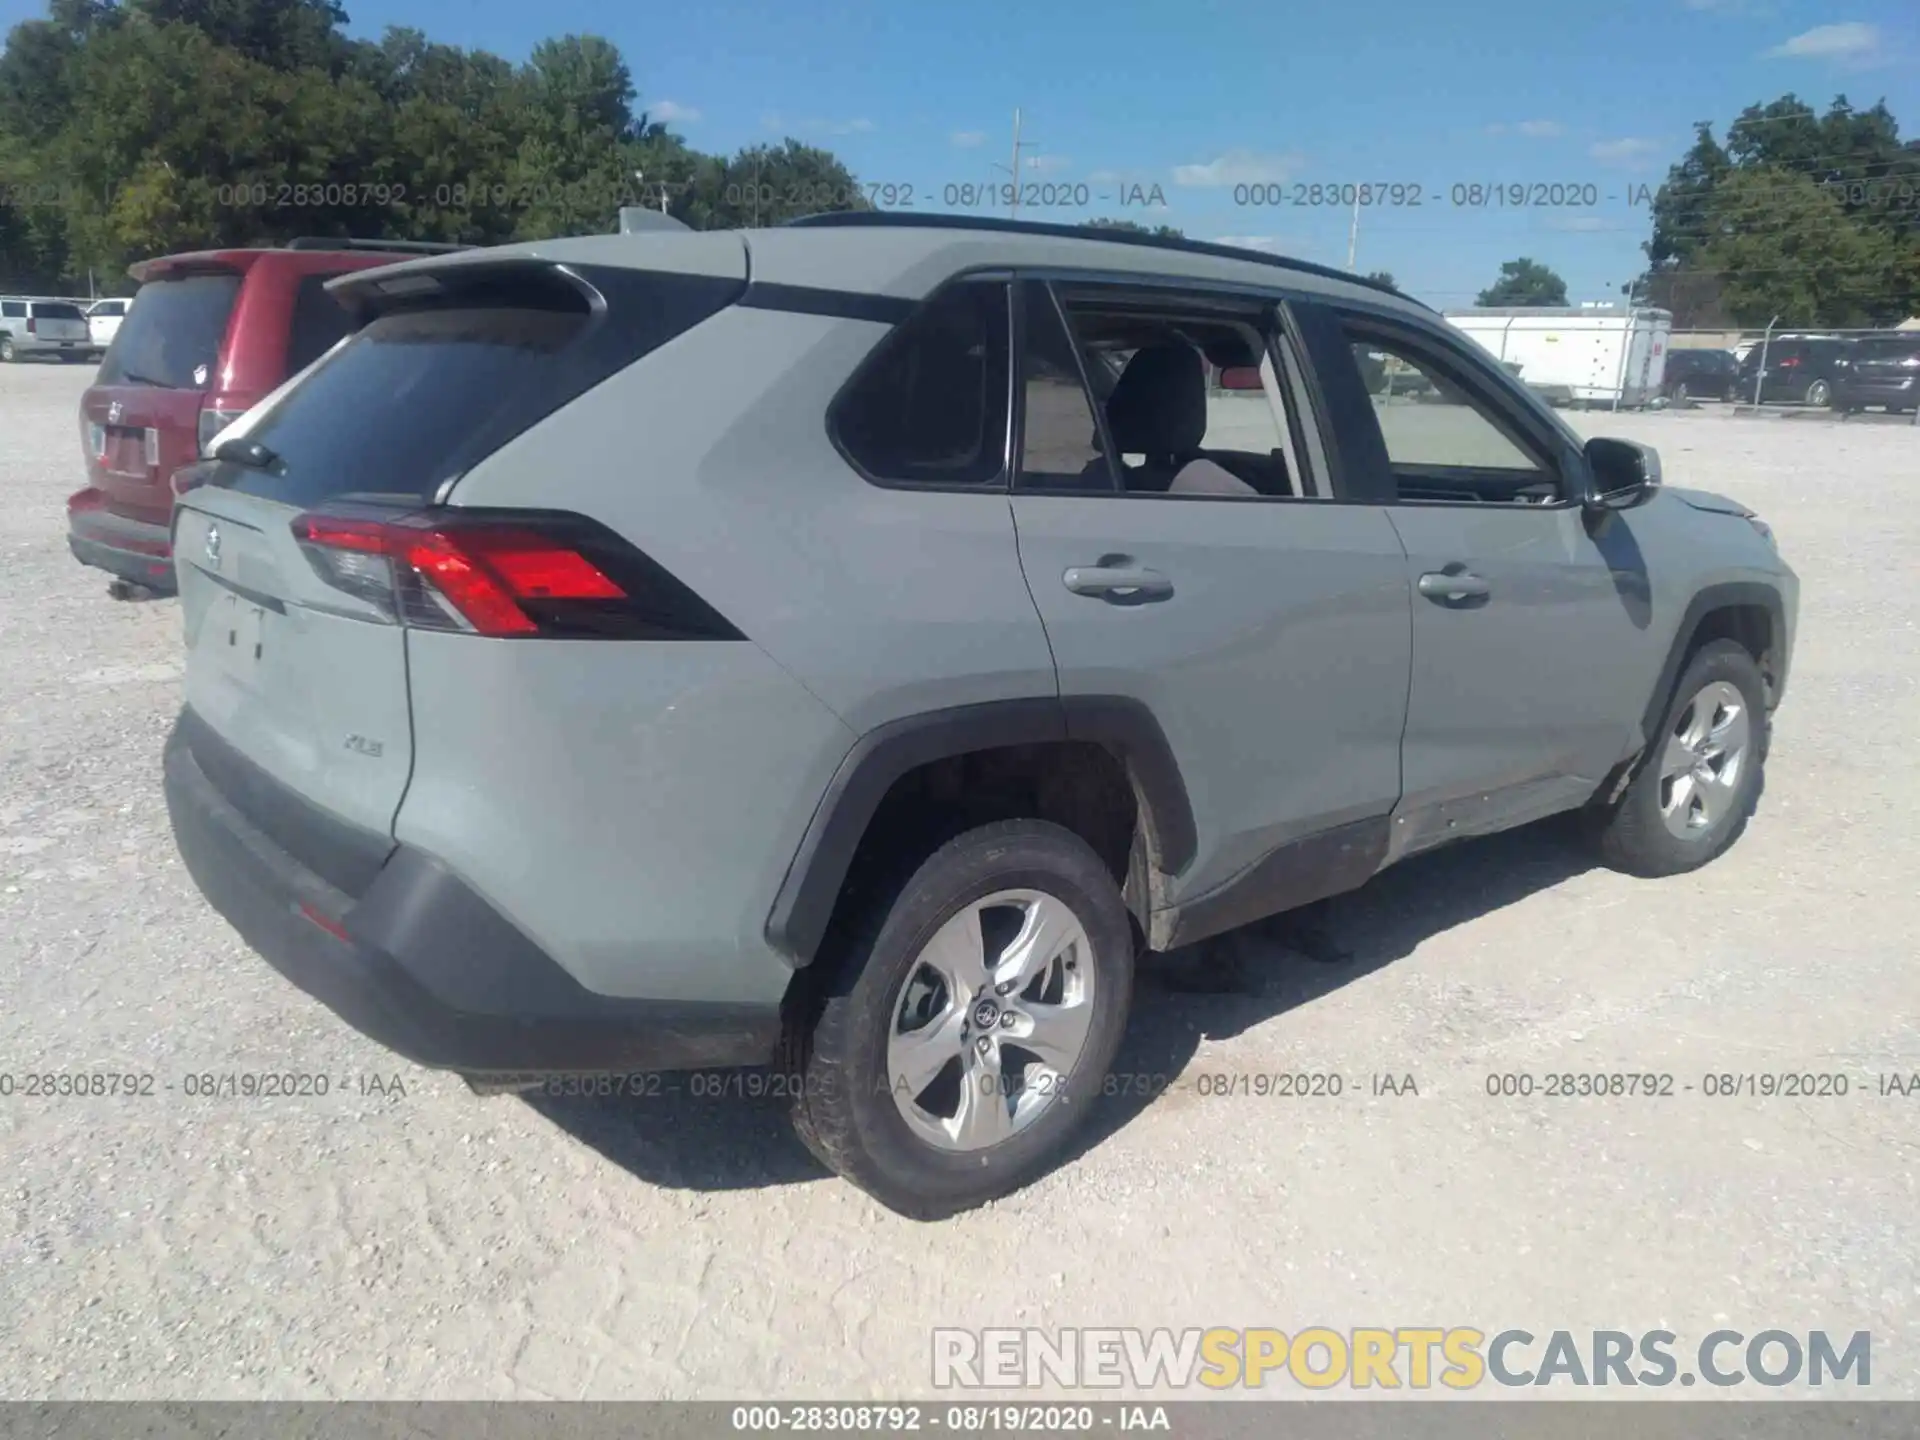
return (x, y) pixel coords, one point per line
(1792, 362)
(33, 327)
(505, 574)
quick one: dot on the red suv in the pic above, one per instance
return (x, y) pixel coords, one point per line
(212, 332)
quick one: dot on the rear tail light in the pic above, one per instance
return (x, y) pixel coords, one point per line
(1790, 363)
(505, 574)
(213, 420)
(152, 447)
(33, 327)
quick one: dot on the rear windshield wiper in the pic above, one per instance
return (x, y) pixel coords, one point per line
(239, 450)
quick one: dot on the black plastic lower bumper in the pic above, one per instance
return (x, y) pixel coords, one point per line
(149, 570)
(420, 962)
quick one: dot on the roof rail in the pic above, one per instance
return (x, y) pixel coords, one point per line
(344, 242)
(882, 219)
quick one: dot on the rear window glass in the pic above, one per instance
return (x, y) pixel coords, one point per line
(47, 311)
(391, 413)
(1889, 348)
(172, 337)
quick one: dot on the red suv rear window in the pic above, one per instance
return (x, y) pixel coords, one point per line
(172, 337)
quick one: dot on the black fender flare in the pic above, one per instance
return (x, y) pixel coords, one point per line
(1704, 603)
(1125, 726)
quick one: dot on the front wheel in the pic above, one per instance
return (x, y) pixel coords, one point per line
(8, 355)
(1680, 394)
(1701, 779)
(971, 1022)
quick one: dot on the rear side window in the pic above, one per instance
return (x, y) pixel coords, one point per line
(53, 310)
(929, 407)
(420, 395)
(14, 309)
(172, 337)
(318, 322)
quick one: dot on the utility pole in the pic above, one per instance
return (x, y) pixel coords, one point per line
(1013, 170)
(1353, 231)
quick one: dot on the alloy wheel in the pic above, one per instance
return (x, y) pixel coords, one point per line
(1703, 760)
(991, 1020)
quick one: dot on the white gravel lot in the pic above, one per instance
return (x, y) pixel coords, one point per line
(425, 1243)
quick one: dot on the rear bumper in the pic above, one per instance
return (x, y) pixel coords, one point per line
(420, 962)
(1877, 392)
(135, 550)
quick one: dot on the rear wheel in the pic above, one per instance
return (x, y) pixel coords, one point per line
(1680, 393)
(1819, 393)
(1698, 785)
(972, 1020)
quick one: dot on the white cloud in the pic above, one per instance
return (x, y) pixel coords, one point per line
(1847, 41)
(774, 120)
(1249, 242)
(1048, 164)
(669, 111)
(1629, 153)
(1579, 224)
(1532, 129)
(1239, 167)
(967, 139)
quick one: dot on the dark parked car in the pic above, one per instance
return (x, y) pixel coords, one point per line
(1800, 370)
(1880, 370)
(214, 331)
(1701, 375)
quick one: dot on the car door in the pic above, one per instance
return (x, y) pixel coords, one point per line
(1267, 633)
(1527, 616)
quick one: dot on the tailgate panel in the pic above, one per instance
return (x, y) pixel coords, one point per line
(283, 669)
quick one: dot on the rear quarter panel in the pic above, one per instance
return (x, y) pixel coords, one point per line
(651, 796)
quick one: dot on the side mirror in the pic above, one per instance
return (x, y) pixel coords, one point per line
(1620, 473)
(1240, 377)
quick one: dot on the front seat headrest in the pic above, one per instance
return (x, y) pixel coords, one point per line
(1159, 405)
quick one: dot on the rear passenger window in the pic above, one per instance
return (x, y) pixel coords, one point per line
(14, 309)
(929, 407)
(318, 322)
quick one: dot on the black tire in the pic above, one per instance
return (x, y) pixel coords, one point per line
(843, 1109)
(8, 355)
(1632, 835)
(1680, 394)
(1819, 393)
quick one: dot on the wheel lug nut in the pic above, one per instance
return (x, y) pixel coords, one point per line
(985, 1045)
(1006, 1019)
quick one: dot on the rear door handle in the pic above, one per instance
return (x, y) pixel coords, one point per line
(1439, 585)
(1120, 584)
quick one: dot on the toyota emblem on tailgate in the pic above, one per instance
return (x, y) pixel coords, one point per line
(213, 544)
(113, 413)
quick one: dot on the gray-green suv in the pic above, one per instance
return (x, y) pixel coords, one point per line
(843, 646)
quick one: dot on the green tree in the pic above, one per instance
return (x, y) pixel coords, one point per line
(1525, 282)
(1133, 227)
(1854, 158)
(1383, 277)
(766, 185)
(1782, 244)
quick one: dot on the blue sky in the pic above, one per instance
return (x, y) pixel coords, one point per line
(1198, 96)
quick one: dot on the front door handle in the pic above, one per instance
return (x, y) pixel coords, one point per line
(1120, 584)
(1440, 585)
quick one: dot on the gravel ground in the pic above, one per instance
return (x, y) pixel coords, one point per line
(400, 1238)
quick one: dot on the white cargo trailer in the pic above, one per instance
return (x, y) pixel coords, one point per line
(1590, 356)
